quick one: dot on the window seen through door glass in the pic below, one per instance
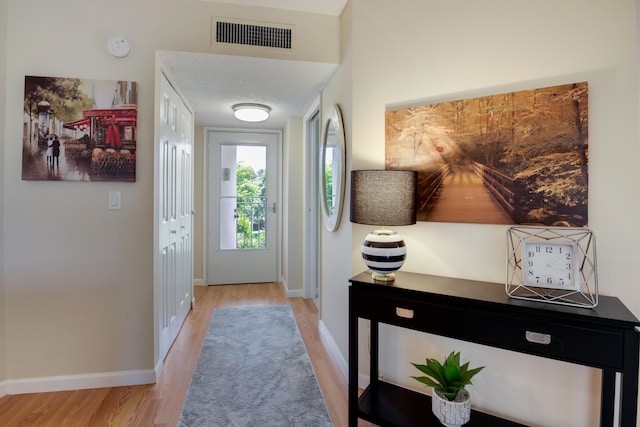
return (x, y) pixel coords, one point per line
(243, 203)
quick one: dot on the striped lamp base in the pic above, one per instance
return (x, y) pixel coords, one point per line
(383, 252)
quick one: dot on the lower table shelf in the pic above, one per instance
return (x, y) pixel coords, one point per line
(386, 404)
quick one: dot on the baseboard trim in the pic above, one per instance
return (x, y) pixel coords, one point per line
(295, 293)
(198, 282)
(79, 382)
(291, 293)
(159, 369)
(334, 350)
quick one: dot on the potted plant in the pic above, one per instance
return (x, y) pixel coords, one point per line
(450, 402)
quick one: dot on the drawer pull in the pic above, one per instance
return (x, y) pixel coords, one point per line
(404, 312)
(538, 338)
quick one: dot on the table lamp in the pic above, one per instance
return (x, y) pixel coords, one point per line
(383, 198)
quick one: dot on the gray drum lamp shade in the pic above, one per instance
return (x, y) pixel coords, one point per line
(383, 197)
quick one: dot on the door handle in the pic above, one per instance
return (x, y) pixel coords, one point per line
(273, 208)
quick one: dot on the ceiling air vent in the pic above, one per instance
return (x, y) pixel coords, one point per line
(253, 35)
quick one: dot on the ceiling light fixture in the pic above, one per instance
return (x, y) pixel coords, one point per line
(251, 112)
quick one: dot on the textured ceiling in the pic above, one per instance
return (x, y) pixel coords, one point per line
(212, 84)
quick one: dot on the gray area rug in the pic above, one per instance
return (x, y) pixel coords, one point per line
(253, 370)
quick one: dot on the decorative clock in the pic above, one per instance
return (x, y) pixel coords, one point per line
(552, 264)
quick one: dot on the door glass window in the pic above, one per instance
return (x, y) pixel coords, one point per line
(243, 202)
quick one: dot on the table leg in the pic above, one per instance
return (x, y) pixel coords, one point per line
(353, 365)
(373, 368)
(629, 398)
(607, 397)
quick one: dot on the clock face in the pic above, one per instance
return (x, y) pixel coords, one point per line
(550, 265)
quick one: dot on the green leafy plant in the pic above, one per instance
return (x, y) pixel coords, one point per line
(448, 378)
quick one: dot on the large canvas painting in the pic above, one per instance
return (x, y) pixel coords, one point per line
(513, 158)
(79, 130)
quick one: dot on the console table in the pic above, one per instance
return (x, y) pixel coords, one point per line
(605, 337)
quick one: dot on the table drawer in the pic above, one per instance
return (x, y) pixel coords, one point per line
(596, 347)
(426, 317)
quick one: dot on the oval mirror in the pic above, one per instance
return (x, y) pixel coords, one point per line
(332, 168)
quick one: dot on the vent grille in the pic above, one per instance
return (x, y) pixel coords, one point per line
(253, 35)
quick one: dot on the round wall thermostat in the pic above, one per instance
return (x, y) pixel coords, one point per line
(118, 47)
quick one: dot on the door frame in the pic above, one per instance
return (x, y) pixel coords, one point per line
(206, 195)
(311, 243)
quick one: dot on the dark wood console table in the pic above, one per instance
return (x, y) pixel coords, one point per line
(605, 337)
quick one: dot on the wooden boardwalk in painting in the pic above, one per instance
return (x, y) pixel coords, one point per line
(463, 198)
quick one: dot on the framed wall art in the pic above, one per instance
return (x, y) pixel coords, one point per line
(513, 158)
(79, 130)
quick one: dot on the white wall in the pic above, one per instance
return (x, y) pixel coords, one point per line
(410, 51)
(198, 205)
(336, 247)
(292, 207)
(3, 64)
(78, 278)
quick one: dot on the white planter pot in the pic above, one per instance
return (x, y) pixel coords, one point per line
(452, 414)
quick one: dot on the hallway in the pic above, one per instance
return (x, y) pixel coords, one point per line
(160, 404)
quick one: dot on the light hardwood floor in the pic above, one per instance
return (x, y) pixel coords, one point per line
(160, 404)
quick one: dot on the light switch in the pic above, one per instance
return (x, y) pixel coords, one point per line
(114, 200)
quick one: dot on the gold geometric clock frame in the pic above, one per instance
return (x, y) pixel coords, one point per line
(585, 295)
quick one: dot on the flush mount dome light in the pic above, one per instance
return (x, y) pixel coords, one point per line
(251, 112)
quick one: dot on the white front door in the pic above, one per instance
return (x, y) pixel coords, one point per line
(243, 209)
(174, 204)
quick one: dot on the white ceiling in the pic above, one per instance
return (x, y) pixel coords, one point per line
(213, 83)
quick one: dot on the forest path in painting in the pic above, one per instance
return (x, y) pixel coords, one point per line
(530, 147)
(463, 198)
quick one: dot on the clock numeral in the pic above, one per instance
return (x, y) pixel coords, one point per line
(568, 266)
(548, 249)
(550, 280)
